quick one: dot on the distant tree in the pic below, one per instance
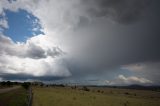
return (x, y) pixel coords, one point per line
(3, 83)
(8, 83)
(26, 85)
(74, 87)
(15, 83)
(61, 85)
(85, 88)
(41, 84)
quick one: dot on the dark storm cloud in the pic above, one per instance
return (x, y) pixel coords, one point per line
(111, 45)
(25, 77)
(37, 52)
(122, 11)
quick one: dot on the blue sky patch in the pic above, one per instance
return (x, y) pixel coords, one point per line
(22, 25)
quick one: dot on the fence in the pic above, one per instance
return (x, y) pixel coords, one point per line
(30, 96)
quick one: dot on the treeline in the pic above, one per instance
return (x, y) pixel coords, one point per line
(8, 83)
(4, 84)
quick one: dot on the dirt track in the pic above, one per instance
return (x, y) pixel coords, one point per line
(8, 89)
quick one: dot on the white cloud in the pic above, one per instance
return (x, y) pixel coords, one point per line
(122, 80)
(3, 23)
(41, 67)
(150, 70)
(33, 48)
(34, 57)
(39, 55)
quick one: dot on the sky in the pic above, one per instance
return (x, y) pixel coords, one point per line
(97, 42)
(22, 25)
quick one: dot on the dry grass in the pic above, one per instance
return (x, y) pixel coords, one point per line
(16, 97)
(106, 97)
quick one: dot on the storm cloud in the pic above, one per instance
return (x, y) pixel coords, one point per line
(108, 45)
(122, 11)
(86, 39)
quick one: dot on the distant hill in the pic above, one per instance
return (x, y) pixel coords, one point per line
(134, 86)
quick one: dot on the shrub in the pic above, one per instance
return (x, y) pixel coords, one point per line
(126, 93)
(102, 91)
(98, 91)
(74, 98)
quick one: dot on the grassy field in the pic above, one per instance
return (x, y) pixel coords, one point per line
(16, 97)
(95, 97)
